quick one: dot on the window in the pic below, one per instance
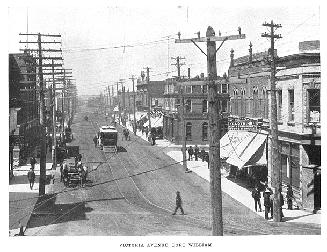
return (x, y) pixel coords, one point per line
(188, 89)
(279, 104)
(204, 106)
(188, 131)
(291, 105)
(205, 131)
(314, 105)
(188, 105)
(224, 88)
(204, 89)
(196, 89)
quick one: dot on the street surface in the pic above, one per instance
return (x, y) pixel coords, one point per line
(133, 192)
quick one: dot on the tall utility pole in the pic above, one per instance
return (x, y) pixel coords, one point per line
(42, 112)
(178, 65)
(118, 102)
(63, 106)
(274, 150)
(134, 105)
(149, 96)
(54, 139)
(214, 120)
(43, 147)
(182, 110)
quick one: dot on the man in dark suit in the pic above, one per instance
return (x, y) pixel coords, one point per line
(178, 203)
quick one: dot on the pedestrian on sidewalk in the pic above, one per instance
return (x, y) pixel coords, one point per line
(95, 141)
(31, 177)
(203, 153)
(33, 162)
(256, 196)
(267, 202)
(178, 203)
(190, 153)
(196, 152)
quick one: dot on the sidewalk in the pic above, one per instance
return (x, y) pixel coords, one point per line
(234, 190)
(243, 195)
(22, 199)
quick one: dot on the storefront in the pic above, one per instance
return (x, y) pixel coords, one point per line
(246, 154)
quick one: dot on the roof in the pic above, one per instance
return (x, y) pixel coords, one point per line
(108, 129)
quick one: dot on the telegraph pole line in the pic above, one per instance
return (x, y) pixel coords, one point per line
(214, 100)
(274, 150)
(40, 66)
(134, 105)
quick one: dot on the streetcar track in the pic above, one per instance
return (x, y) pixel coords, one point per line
(168, 211)
(186, 218)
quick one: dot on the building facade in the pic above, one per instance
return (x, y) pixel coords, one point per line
(24, 123)
(193, 93)
(298, 111)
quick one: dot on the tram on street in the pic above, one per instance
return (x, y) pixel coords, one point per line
(107, 139)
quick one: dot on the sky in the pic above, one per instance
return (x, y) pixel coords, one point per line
(90, 33)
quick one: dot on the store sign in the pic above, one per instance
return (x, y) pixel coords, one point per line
(242, 124)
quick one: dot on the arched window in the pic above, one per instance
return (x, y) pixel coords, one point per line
(204, 106)
(205, 131)
(188, 105)
(188, 131)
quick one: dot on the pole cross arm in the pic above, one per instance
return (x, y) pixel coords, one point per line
(211, 39)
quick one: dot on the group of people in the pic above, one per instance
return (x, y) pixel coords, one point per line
(268, 199)
(197, 153)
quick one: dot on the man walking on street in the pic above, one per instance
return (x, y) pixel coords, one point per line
(178, 203)
(31, 178)
(256, 196)
(196, 152)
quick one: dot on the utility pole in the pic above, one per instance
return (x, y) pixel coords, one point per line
(182, 110)
(274, 150)
(149, 96)
(43, 147)
(214, 120)
(134, 104)
(63, 107)
(178, 65)
(118, 103)
(54, 139)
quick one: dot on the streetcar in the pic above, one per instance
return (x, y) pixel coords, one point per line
(107, 139)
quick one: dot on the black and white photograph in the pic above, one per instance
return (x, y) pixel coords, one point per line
(178, 119)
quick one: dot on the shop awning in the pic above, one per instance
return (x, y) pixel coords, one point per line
(243, 148)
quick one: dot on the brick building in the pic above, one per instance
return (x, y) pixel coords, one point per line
(194, 92)
(298, 102)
